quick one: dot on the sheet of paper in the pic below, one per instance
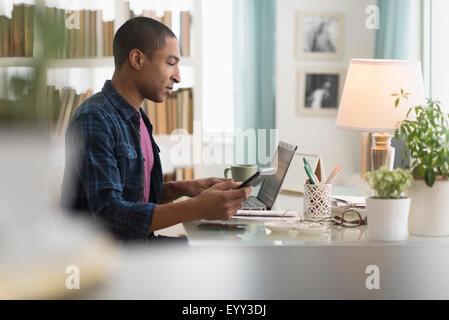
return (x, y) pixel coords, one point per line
(264, 213)
(296, 175)
(351, 199)
(258, 218)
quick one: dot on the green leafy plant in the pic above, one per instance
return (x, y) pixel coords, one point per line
(426, 139)
(389, 184)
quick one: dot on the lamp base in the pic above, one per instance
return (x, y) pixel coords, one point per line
(382, 153)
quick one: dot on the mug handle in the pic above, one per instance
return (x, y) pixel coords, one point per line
(226, 172)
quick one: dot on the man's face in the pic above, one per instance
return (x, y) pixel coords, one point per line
(160, 72)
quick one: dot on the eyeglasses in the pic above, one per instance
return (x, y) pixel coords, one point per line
(350, 218)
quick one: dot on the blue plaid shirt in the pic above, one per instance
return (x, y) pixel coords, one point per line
(104, 168)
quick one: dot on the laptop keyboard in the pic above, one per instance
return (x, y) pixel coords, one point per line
(253, 202)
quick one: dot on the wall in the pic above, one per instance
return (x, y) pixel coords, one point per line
(315, 134)
(439, 53)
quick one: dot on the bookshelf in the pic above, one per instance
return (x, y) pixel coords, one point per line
(74, 62)
(189, 64)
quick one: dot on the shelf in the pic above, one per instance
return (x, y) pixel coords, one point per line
(58, 63)
(74, 63)
(16, 61)
(81, 63)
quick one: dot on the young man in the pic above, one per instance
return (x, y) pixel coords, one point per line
(113, 169)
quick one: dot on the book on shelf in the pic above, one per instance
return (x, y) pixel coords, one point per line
(161, 117)
(88, 31)
(188, 173)
(71, 39)
(16, 33)
(109, 36)
(28, 30)
(176, 112)
(170, 123)
(92, 38)
(99, 33)
(67, 111)
(79, 41)
(51, 91)
(165, 19)
(4, 36)
(185, 33)
(93, 33)
(168, 177)
(64, 105)
(89, 37)
(179, 174)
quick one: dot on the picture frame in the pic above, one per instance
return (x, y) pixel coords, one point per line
(320, 35)
(319, 90)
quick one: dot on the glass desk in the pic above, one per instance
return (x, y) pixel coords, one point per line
(256, 264)
(337, 264)
(258, 234)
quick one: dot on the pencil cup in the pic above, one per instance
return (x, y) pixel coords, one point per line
(317, 201)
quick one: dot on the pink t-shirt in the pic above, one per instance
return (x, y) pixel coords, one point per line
(147, 150)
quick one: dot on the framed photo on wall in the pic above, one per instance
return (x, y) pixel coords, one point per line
(320, 35)
(319, 90)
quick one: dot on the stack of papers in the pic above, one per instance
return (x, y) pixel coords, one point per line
(348, 201)
(266, 215)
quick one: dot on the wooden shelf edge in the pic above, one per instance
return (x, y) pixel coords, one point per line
(75, 62)
(16, 61)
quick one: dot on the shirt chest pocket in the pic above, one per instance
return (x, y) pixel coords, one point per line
(126, 160)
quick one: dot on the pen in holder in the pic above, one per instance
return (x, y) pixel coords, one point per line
(317, 201)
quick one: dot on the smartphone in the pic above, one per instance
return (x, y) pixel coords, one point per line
(257, 178)
(222, 226)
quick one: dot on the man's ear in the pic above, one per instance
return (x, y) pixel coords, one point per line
(135, 59)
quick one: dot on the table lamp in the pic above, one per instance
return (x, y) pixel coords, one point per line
(367, 103)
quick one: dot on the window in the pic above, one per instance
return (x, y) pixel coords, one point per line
(436, 50)
(218, 106)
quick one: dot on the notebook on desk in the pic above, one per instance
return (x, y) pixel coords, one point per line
(266, 213)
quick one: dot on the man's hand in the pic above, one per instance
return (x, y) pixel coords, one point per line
(220, 201)
(195, 187)
(173, 190)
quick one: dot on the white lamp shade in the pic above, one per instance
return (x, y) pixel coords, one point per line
(367, 104)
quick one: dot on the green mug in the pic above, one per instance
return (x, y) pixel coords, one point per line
(241, 172)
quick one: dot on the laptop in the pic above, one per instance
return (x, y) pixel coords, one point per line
(272, 184)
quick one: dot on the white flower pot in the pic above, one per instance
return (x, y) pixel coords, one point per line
(387, 218)
(429, 212)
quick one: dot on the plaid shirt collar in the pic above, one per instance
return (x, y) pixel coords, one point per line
(125, 109)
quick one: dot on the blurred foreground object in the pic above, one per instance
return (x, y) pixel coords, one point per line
(39, 243)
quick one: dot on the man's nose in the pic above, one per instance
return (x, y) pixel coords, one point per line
(176, 77)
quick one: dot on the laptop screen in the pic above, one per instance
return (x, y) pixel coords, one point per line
(272, 184)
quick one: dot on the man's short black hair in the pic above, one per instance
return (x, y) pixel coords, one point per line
(145, 34)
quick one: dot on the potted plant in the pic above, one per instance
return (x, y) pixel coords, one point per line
(388, 210)
(426, 143)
